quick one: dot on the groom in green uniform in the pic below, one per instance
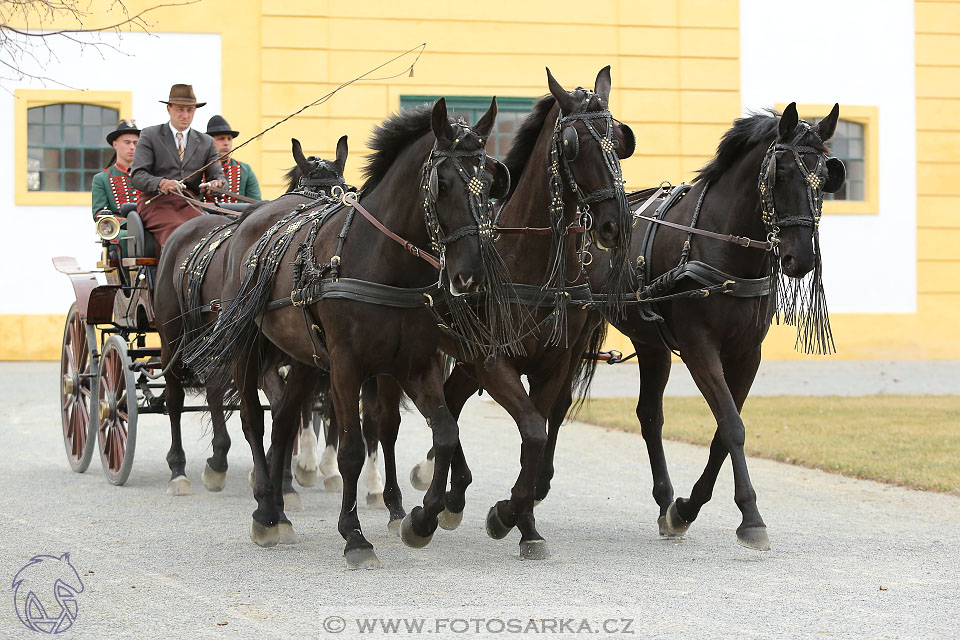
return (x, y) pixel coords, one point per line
(240, 177)
(111, 187)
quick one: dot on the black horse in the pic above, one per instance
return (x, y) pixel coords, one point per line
(717, 297)
(189, 281)
(352, 309)
(566, 163)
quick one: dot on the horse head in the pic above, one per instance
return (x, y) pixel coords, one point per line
(795, 174)
(314, 173)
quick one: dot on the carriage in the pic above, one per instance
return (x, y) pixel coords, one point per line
(110, 358)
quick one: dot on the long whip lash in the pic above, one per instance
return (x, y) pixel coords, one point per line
(408, 70)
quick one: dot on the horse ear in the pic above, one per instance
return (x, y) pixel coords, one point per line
(485, 124)
(342, 153)
(828, 126)
(560, 94)
(440, 122)
(602, 86)
(788, 121)
(301, 161)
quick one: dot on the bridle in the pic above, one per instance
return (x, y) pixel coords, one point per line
(310, 185)
(566, 147)
(479, 205)
(814, 180)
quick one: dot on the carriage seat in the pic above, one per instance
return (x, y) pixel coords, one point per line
(144, 244)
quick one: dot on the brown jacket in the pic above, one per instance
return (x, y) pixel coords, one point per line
(156, 158)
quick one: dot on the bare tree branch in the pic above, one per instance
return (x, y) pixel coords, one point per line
(29, 46)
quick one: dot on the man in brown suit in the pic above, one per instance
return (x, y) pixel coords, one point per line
(167, 156)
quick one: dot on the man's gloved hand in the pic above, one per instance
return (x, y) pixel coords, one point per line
(169, 186)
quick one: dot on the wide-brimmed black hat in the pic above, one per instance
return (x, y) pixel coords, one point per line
(218, 126)
(124, 126)
(183, 94)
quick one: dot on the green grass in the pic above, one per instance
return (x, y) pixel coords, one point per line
(912, 441)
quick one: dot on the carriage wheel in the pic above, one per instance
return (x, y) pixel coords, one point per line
(77, 370)
(116, 410)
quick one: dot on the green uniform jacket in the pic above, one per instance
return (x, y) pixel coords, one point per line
(249, 186)
(245, 184)
(103, 195)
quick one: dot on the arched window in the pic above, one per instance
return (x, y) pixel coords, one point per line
(66, 145)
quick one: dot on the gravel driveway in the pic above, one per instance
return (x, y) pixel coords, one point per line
(850, 558)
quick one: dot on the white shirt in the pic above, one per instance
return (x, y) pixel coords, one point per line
(174, 131)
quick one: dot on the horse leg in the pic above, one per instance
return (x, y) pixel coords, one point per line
(381, 398)
(263, 529)
(458, 388)
(426, 391)
(179, 484)
(286, 419)
(215, 471)
(504, 385)
(370, 475)
(306, 469)
(707, 370)
(345, 391)
(328, 461)
(654, 365)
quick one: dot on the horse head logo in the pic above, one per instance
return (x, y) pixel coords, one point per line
(44, 592)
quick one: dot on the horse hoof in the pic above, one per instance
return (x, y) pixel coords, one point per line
(394, 526)
(250, 478)
(333, 484)
(673, 523)
(263, 535)
(495, 527)
(292, 502)
(375, 501)
(533, 550)
(362, 559)
(410, 537)
(421, 475)
(214, 480)
(450, 520)
(754, 538)
(179, 486)
(305, 477)
(286, 533)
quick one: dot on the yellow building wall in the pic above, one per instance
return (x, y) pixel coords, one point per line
(676, 81)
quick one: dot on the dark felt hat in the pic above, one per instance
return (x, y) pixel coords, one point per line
(218, 126)
(124, 126)
(182, 94)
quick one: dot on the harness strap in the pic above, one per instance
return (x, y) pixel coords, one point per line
(357, 290)
(351, 201)
(742, 241)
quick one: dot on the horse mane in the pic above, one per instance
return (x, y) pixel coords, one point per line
(525, 140)
(390, 138)
(758, 127)
(293, 178)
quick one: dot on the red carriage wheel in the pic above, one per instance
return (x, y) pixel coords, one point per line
(77, 372)
(116, 394)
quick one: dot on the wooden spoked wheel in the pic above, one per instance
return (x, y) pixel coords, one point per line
(77, 373)
(116, 411)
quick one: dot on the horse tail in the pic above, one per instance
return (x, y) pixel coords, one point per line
(587, 367)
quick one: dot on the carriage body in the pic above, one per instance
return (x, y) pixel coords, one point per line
(110, 354)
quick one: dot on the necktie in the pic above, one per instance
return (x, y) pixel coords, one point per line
(180, 145)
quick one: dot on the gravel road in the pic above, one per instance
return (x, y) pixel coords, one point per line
(850, 558)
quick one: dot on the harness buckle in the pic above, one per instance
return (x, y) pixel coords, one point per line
(729, 286)
(293, 299)
(743, 241)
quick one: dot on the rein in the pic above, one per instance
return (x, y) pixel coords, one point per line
(350, 199)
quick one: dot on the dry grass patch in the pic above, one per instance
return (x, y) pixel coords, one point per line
(906, 440)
